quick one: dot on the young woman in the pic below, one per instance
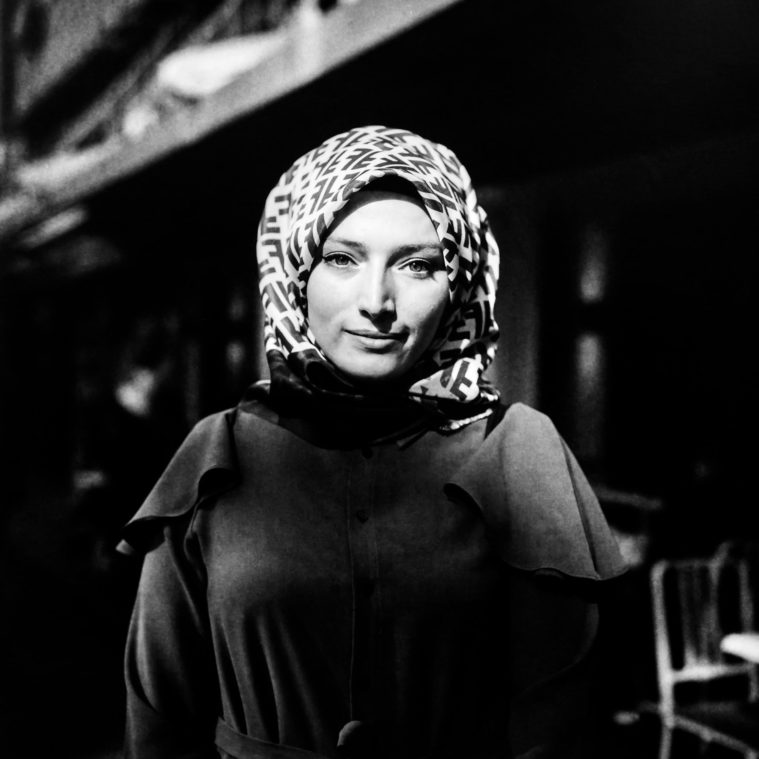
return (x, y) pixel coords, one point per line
(371, 556)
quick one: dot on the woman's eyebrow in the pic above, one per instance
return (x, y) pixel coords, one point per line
(347, 243)
(417, 248)
(402, 249)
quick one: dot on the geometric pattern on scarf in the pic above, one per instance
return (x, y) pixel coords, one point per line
(303, 205)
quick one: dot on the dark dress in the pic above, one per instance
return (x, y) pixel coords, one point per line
(423, 595)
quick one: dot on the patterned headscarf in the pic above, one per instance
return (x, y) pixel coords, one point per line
(296, 218)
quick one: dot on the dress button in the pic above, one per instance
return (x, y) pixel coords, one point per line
(357, 739)
(362, 515)
(349, 732)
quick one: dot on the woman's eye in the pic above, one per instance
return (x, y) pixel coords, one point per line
(339, 260)
(419, 266)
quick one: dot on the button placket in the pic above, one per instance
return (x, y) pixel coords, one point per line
(363, 551)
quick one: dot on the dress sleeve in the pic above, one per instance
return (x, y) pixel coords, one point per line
(170, 675)
(553, 663)
(548, 528)
(541, 512)
(171, 685)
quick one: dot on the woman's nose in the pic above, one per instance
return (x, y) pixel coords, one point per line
(376, 294)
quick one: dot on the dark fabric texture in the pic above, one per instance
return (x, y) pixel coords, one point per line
(293, 396)
(415, 595)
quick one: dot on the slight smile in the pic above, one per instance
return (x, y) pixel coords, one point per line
(375, 335)
(377, 340)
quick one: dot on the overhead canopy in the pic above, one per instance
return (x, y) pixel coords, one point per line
(307, 51)
(517, 89)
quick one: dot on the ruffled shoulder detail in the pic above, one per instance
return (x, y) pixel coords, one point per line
(204, 466)
(537, 502)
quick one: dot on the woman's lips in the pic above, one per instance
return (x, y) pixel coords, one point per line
(376, 340)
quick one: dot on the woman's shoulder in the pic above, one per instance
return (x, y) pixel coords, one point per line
(205, 464)
(522, 436)
(537, 500)
(209, 446)
(520, 420)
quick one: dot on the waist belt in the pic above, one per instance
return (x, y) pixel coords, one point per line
(239, 746)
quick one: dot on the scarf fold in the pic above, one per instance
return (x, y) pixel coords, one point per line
(298, 214)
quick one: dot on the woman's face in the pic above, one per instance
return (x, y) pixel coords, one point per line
(378, 292)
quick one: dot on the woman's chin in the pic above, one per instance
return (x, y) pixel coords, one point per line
(373, 371)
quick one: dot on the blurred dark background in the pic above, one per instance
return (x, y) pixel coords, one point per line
(615, 146)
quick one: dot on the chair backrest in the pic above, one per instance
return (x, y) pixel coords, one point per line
(697, 602)
(745, 550)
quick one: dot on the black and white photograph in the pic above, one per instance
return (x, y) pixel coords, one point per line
(377, 379)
